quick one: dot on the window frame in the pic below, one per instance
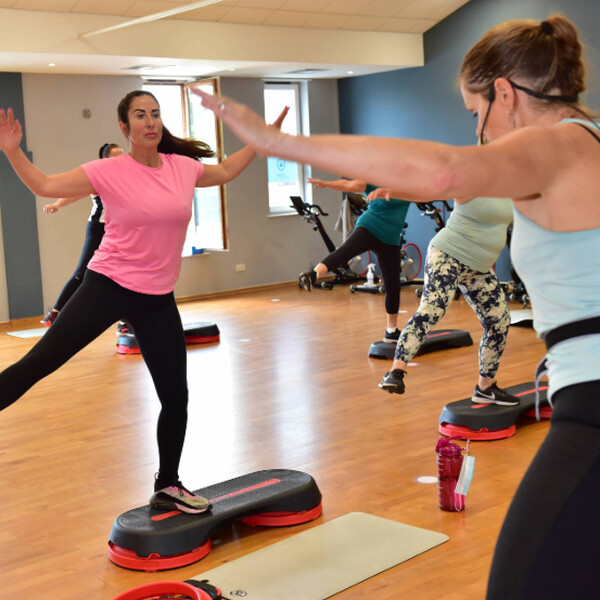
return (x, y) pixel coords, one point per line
(304, 171)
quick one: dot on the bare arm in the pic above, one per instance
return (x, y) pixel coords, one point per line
(520, 164)
(50, 209)
(355, 186)
(227, 169)
(70, 183)
(388, 194)
(233, 165)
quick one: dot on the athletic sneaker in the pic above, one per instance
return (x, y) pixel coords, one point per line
(176, 497)
(123, 328)
(393, 381)
(306, 280)
(49, 318)
(391, 338)
(494, 395)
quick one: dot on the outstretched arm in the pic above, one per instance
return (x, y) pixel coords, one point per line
(520, 164)
(71, 183)
(388, 194)
(233, 165)
(354, 186)
(50, 209)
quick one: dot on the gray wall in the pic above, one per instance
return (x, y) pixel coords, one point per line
(274, 249)
(424, 103)
(20, 288)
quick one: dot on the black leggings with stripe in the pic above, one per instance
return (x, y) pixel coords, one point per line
(388, 258)
(96, 305)
(93, 236)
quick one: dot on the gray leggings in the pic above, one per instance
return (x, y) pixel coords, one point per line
(443, 275)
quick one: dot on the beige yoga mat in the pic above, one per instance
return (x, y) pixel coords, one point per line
(29, 333)
(324, 560)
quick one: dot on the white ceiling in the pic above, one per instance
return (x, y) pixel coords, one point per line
(259, 38)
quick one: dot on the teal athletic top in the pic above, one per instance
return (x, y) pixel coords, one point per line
(561, 271)
(476, 232)
(384, 218)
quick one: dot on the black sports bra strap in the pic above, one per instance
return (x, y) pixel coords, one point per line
(589, 131)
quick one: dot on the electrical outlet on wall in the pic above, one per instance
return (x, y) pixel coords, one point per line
(240, 267)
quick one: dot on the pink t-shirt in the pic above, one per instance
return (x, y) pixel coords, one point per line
(147, 211)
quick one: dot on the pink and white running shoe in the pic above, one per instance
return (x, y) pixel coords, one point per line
(177, 497)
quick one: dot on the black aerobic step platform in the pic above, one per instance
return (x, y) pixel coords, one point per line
(491, 421)
(438, 339)
(201, 332)
(147, 539)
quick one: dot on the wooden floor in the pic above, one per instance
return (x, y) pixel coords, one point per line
(290, 386)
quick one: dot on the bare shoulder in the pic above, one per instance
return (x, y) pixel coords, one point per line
(571, 202)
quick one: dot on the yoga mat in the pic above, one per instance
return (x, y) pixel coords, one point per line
(29, 333)
(324, 560)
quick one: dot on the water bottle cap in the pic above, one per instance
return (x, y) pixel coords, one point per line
(447, 448)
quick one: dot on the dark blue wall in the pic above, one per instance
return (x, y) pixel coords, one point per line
(424, 102)
(19, 221)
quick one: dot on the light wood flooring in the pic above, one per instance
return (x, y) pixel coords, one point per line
(289, 386)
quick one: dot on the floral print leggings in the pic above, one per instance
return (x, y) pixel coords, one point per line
(443, 275)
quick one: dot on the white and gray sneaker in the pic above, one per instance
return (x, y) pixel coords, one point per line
(494, 395)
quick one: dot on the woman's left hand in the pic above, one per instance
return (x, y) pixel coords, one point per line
(379, 193)
(279, 120)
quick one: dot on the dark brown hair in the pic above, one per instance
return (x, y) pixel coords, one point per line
(105, 149)
(546, 57)
(169, 144)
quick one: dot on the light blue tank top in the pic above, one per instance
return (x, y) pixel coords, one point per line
(476, 232)
(561, 271)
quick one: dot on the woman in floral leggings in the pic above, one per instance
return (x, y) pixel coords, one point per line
(461, 256)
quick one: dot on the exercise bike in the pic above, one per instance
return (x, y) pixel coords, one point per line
(312, 214)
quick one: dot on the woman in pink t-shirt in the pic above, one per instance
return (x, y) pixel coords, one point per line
(147, 195)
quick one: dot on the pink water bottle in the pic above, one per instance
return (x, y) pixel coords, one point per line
(449, 463)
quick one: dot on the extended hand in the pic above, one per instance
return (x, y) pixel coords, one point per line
(379, 193)
(10, 131)
(243, 121)
(279, 120)
(50, 209)
(318, 183)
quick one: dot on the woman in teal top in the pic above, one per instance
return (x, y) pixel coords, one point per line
(521, 81)
(378, 229)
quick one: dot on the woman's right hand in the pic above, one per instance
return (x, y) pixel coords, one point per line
(244, 122)
(318, 183)
(10, 131)
(50, 209)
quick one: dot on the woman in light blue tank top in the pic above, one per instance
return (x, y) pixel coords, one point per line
(521, 81)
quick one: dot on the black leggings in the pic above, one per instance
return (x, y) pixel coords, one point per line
(93, 236)
(95, 306)
(549, 545)
(388, 258)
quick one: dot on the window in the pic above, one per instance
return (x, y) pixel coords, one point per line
(184, 116)
(285, 178)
